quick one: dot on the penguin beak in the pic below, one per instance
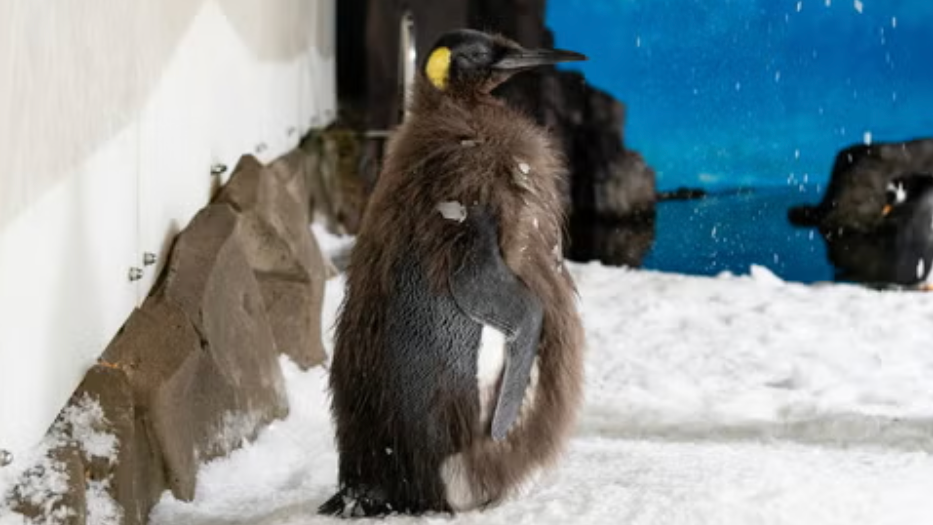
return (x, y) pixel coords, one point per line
(521, 59)
(886, 210)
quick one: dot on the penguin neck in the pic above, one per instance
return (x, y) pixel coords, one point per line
(428, 100)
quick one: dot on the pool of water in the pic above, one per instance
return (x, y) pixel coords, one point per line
(731, 231)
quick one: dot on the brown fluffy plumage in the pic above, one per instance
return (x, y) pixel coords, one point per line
(470, 148)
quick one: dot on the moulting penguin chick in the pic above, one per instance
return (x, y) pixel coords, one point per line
(908, 215)
(457, 366)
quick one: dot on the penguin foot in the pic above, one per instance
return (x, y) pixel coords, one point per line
(356, 503)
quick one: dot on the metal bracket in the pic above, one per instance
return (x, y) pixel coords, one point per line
(149, 259)
(135, 274)
(6, 458)
(407, 58)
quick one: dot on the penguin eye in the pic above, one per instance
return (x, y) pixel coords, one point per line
(474, 59)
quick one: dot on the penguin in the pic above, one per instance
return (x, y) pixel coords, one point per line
(908, 223)
(457, 367)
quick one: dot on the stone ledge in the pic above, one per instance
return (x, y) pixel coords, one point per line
(281, 249)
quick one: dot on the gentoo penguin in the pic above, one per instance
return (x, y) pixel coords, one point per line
(457, 366)
(908, 217)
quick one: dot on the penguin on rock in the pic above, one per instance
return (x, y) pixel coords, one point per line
(457, 369)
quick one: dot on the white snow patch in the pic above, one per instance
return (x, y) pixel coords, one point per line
(84, 420)
(763, 275)
(729, 400)
(331, 244)
(452, 210)
(41, 480)
(101, 507)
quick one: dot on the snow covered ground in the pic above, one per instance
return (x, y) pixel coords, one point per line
(731, 400)
(734, 400)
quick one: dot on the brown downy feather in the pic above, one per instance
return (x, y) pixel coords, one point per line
(473, 151)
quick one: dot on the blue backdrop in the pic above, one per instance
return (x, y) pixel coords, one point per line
(756, 92)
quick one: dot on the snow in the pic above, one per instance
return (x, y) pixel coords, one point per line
(728, 400)
(42, 481)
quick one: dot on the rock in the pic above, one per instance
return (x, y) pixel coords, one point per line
(237, 387)
(174, 385)
(612, 190)
(860, 242)
(274, 231)
(65, 505)
(336, 186)
(682, 194)
(133, 479)
(293, 173)
(855, 194)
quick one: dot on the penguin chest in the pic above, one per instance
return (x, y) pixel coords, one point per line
(490, 363)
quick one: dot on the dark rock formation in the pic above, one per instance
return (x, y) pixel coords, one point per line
(682, 194)
(860, 240)
(855, 195)
(612, 190)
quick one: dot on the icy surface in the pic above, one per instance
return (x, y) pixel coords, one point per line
(730, 400)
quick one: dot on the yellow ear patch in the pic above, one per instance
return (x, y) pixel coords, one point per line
(438, 67)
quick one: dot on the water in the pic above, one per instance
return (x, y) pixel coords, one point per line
(730, 231)
(754, 93)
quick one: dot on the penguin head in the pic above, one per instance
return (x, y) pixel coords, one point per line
(467, 61)
(905, 190)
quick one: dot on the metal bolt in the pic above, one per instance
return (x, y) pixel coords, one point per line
(149, 258)
(135, 274)
(292, 130)
(218, 169)
(6, 457)
(261, 147)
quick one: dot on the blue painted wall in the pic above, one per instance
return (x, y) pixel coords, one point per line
(756, 92)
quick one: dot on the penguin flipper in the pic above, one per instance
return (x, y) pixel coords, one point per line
(485, 288)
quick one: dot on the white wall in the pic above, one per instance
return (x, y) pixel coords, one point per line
(111, 115)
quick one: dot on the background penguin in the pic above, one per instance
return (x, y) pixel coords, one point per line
(457, 367)
(908, 220)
